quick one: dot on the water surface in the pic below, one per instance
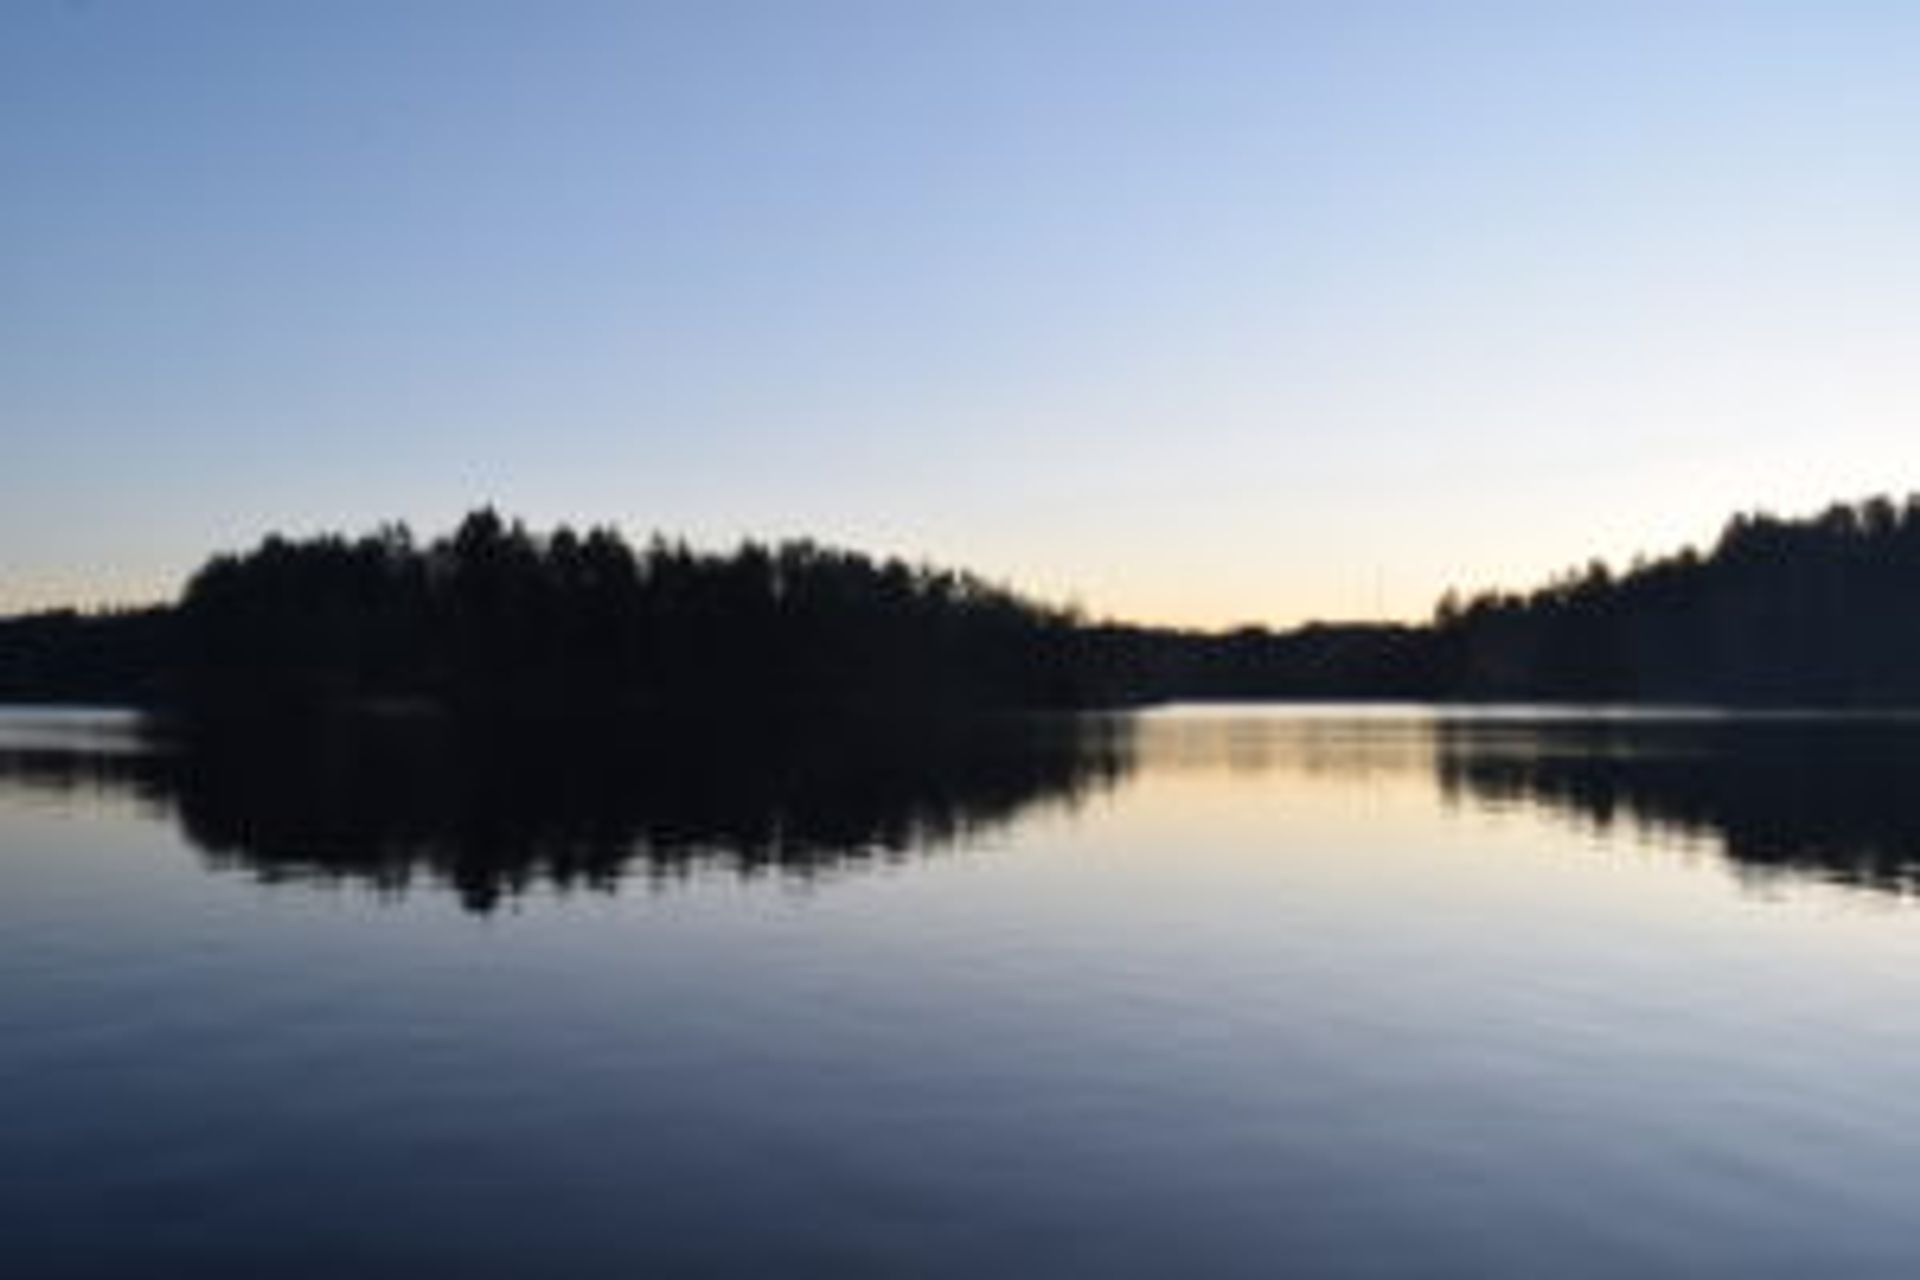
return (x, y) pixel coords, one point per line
(1229, 992)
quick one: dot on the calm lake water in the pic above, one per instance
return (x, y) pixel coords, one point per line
(1205, 992)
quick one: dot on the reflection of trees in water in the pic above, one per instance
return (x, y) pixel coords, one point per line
(70, 770)
(1836, 799)
(399, 803)
(1833, 798)
(493, 813)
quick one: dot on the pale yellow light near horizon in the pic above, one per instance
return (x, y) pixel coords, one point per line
(1256, 315)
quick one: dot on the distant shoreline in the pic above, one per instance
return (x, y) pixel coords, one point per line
(1819, 614)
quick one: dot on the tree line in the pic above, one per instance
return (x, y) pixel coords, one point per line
(1822, 611)
(496, 616)
(493, 616)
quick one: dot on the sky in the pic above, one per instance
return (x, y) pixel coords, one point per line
(1188, 312)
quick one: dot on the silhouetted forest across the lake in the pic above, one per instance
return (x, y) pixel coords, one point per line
(1820, 611)
(494, 618)
(1817, 612)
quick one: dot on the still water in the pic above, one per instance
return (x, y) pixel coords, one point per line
(1208, 992)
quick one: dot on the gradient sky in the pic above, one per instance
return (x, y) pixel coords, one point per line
(1190, 312)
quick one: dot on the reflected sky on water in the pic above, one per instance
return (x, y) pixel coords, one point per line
(1236, 990)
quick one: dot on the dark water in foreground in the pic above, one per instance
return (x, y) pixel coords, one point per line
(1206, 993)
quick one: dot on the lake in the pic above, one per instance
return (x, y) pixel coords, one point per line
(1226, 991)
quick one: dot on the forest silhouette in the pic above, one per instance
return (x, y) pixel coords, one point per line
(1819, 612)
(495, 619)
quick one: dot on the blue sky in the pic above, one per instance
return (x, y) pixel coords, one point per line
(1191, 312)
